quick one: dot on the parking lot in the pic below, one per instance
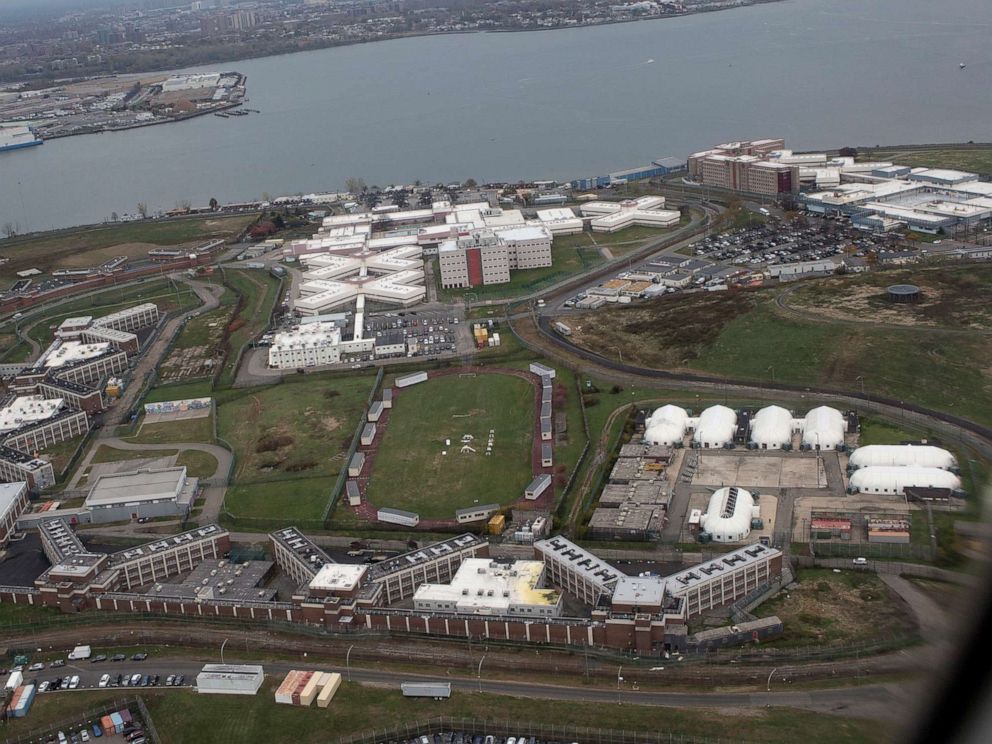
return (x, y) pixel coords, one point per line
(809, 239)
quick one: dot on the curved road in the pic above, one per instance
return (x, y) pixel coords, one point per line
(213, 494)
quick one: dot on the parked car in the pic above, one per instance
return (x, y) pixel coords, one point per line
(104, 680)
(139, 657)
(74, 682)
(57, 663)
(118, 657)
(100, 657)
(36, 667)
(860, 561)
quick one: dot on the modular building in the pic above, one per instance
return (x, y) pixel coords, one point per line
(538, 486)
(398, 516)
(353, 493)
(330, 687)
(356, 464)
(375, 411)
(368, 434)
(475, 513)
(230, 679)
(547, 456)
(542, 370)
(417, 377)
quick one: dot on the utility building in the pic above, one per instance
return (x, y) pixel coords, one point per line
(823, 429)
(162, 492)
(771, 428)
(901, 455)
(729, 514)
(715, 428)
(666, 426)
(881, 479)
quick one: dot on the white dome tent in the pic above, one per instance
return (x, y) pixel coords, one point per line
(771, 428)
(894, 480)
(728, 515)
(666, 426)
(823, 429)
(715, 428)
(901, 455)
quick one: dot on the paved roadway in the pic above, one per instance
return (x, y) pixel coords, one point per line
(209, 295)
(867, 698)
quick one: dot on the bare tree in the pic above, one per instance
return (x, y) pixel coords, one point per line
(355, 185)
(184, 205)
(143, 210)
(114, 217)
(9, 229)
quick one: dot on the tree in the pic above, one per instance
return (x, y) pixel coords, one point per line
(355, 185)
(470, 183)
(214, 204)
(9, 229)
(143, 210)
(114, 217)
(184, 205)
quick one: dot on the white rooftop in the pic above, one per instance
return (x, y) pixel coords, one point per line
(484, 586)
(341, 577)
(642, 590)
(28, 409)
(67, 352)
(9, 493)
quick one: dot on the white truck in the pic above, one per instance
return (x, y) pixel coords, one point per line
(80, 652)
(436, 690)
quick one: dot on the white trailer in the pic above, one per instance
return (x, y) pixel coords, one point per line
(436, 690)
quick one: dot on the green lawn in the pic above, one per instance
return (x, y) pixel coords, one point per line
(874, 431)
(978, 160)
(180, 391)
(105, 453)
(198, 464)
(258, 293)
(410, 471)
(299, 428)
(60, 453)
(188, 430)
(282, 502)
(87, 246)
(741, 335)
(205, 330)
(182, 716)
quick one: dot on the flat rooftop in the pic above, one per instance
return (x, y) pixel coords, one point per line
(62, 353)
(484, 586)
(139, 486)
(581, 561)
(641, 590)
(28, 409)
(305, 550)
(208, 532)
(339, 577)
(9, 494)
(428, 553)
(685, 580)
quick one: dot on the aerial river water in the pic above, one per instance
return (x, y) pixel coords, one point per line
(556, 104)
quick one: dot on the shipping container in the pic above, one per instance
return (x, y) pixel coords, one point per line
(107, 725)
(14, 680)
(328, 690)
(284, 694)
(311, 690)
(22, 705)
(118, 722)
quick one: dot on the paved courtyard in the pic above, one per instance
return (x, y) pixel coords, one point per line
(760, 470)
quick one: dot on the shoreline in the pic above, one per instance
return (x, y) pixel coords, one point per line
(860, 148)
(333, 44)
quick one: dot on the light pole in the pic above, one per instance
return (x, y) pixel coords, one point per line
(619, 680)
(479, 671)
(347, 661)
(620, 353)
(222, 651)
(768, 685)
(771, 368)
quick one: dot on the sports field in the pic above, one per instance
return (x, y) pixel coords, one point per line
(411, 470)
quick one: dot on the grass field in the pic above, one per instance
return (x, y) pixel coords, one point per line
(181, 391)
(838, 608)
(258, 292)
(188, 430)
(88, 246)
(410, 471)
(182, 716)
(742, 335)
(977, 160)
(198, 464)
(290, 441)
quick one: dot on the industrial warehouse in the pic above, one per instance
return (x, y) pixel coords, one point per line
(50, 399)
